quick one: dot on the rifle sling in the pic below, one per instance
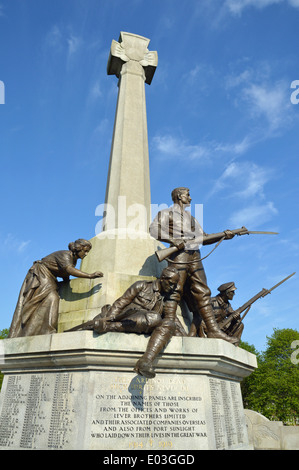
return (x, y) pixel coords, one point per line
(196, 260)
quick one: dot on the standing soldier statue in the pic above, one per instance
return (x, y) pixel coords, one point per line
(179, 228)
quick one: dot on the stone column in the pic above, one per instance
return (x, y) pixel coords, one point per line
(132, 62)
(124, 251)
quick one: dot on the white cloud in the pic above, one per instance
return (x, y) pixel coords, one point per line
(243, 180)
(170, 146)
(74, 43)
(245, 183)
(233, 81)
(236, 148)
(12, 243)
(262, 98)
(236, 7)
(95, 92)
(102, 127)
(62, 40)
(254, 215)
(269, 101)
(200, 76)
(54, 37)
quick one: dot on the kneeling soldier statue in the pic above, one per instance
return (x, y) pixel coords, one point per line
(227, 318)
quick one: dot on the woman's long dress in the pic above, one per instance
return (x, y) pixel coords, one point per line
(37, 307)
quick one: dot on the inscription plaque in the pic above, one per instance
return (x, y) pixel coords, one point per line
(228, 415)
(121, 411)
(37, 411)
(80, 398)
(165, 413)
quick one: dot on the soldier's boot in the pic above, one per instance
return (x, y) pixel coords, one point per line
(157, 342)
(213, 330)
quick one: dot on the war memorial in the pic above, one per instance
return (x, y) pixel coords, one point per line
(132, 353)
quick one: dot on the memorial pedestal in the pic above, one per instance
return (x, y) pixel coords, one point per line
(78, 391)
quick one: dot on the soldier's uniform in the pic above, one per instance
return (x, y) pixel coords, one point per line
(175, 224)
(139, 310)
(223, 310)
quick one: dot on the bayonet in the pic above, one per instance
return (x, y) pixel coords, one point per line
(246, 307)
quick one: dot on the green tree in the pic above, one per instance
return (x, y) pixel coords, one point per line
(3, 335)
(273, 389)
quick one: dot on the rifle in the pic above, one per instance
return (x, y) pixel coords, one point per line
(83, 326)
(246, 307)
(212, 238)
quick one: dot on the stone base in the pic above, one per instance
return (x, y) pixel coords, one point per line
(77, 306)
(123, 259)
(264, 434)
(78, 391)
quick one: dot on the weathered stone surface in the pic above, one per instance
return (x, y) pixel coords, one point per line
(264, 434)
(78, 391)
(122, 246)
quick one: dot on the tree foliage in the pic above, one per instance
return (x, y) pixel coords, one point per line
(273, 389)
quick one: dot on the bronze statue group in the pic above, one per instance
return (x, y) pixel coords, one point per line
(147, 307)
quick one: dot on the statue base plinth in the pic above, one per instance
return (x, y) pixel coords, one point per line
(123, 259)
(78, 391)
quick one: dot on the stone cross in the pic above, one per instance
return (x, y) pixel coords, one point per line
(123, 257)
(133, 49)
(128, 178)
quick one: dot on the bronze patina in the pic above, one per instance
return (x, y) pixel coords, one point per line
(230, 320)
(179, 228)
(142, 309)
(227, 318)
(36, 312)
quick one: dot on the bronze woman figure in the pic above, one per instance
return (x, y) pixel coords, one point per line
(36, 312)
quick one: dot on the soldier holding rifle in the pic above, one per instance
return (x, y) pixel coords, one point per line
(184, 233)
(229, 320)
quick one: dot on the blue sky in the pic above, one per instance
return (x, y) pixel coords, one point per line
(220, 121)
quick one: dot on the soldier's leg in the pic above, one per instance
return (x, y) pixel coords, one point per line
(136, 321)
(235, 329)
(160, 337)
(193, 307)
(201, 295)
(164, 332)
